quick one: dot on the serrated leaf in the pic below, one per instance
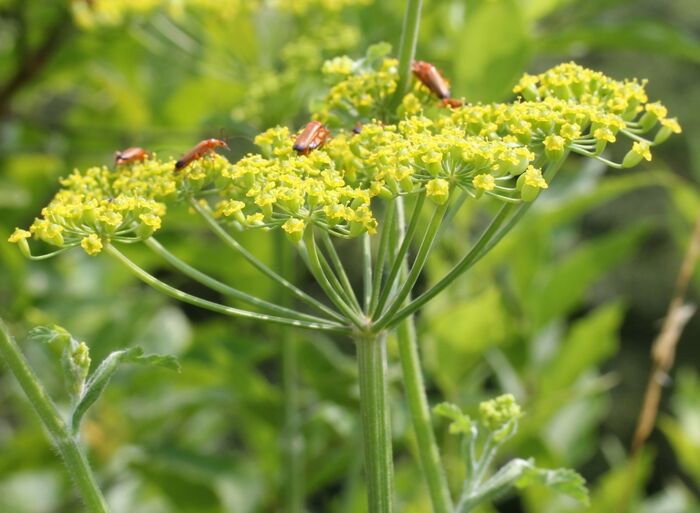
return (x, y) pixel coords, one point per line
(49, 334)
(461, 423)
(99, 379)
(521, 473)
(562, 480)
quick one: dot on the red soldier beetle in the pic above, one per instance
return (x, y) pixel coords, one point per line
(130, 155)
(431, 78)
(202, 148)
(314, 135)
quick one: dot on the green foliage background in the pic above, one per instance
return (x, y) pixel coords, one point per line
(562, 314)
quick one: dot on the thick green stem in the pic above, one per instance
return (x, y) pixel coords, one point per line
(73, 458)
(376, 424)
(407, 48)
(414, 386)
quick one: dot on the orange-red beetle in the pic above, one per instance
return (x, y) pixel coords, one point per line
(313, 136)
(203, 147)
(452, 102)
(130, 155)
(431, 78)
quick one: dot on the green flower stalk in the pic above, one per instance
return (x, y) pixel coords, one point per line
(353, 187)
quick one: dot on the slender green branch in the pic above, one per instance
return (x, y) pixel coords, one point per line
(292, 437)
(235, 245)
(381, 254)
(400, 255)
(73, 458)
(423, 252)
(218, 286)
(414, 386)
(488, 239)
(428, 452)
(465, 263)
(366, 271)
(339, 269)
(376, 424)
(332, 277)
(314, 263)
(407, 49)
(210, 305)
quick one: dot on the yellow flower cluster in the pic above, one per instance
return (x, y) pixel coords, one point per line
(494, 150)
(101, 205)
(421, 154)
(283, 189)
(571, 107)
(360, 89)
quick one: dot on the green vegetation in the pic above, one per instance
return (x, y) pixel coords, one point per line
(426, 229)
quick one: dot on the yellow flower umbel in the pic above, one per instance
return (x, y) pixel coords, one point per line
(500, 151)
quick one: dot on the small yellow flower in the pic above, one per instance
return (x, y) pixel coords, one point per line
(643, 149)
(438, 190)
(485, 182)
(604, 134)
(672, 124)
(294, 228)
(570, 131)
(554, 143)
(19, 235)
(91, 244)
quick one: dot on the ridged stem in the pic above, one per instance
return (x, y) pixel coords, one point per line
(376, 424)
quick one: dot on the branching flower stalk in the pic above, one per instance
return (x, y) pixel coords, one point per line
(354, 187)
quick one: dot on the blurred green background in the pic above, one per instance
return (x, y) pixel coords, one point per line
(562, 314)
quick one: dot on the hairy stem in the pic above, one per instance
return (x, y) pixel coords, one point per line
(73, 458)
(376, 424)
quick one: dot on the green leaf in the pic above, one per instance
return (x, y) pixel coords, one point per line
(589, 341)
(522, 473)
(641, 35)
(461, 423)
(495, 49)
(562, 480)
(49, 335)
(100, 378)
(564, 284)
